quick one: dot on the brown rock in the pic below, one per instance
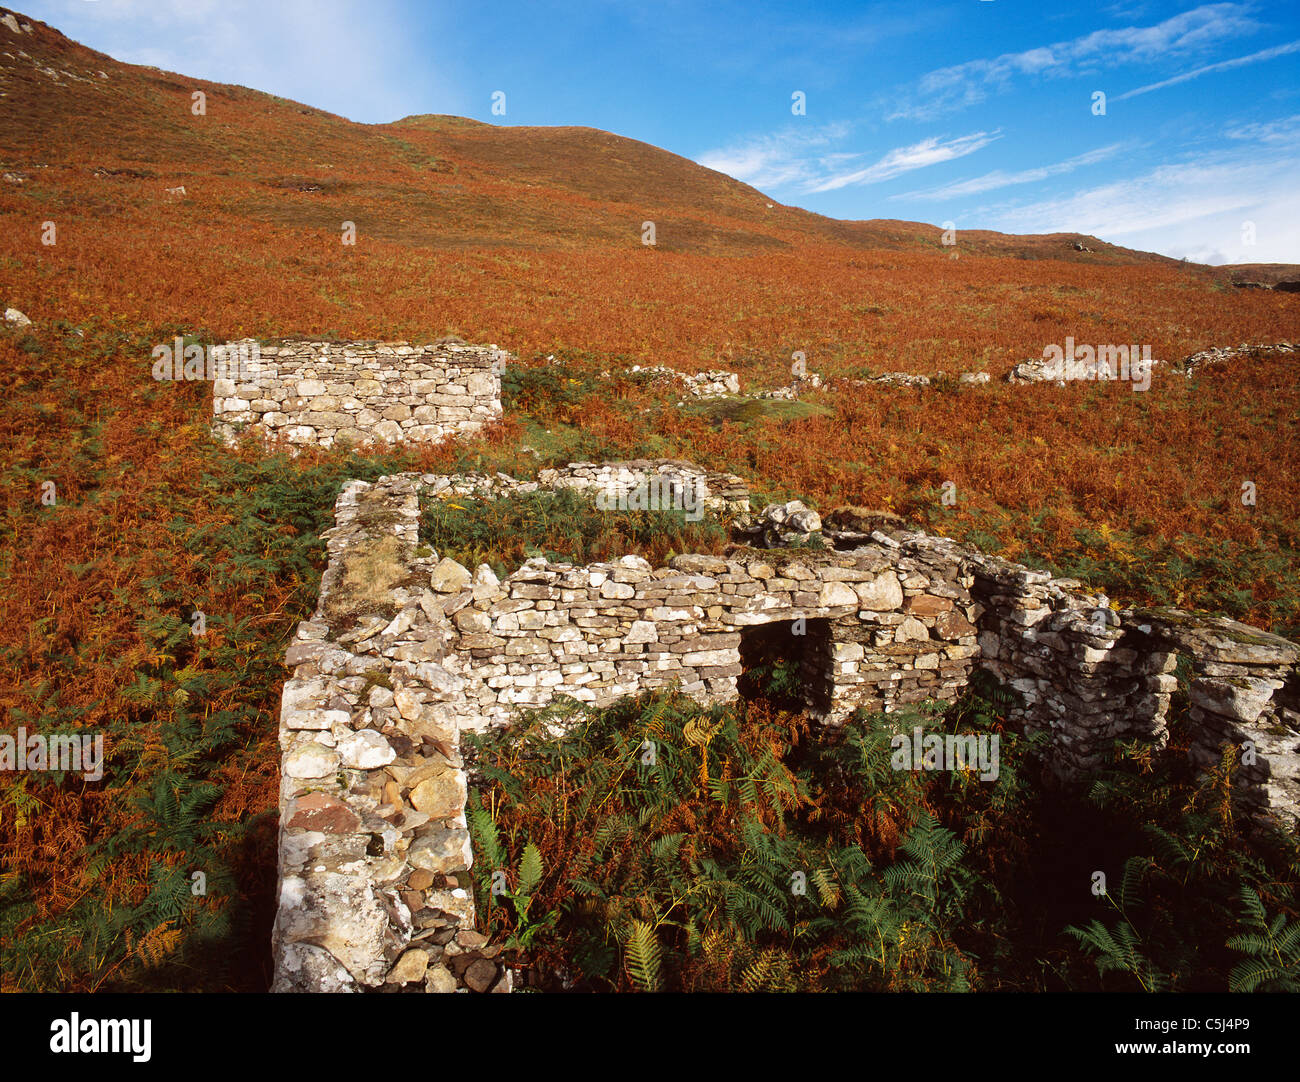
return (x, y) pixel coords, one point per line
(953, 625)
(439, 796)
(469, 938)
(410, 967)
(481, 975)
(420, 879)
(323, 812)
(927, 605)
(439, 979)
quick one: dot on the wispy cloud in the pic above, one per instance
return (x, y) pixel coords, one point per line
(1285, 131)
(789, 159)
(1222, 65)
(902, 160)
(999, 179)
(808, 162)
(1195, 208)
(949, 89)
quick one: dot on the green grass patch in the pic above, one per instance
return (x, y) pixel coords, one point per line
(561, 526)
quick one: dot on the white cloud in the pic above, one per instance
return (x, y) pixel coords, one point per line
(334, 54)
(949, 89)
(1197, 208)
(806, 162)
(904, 159)
(1285, 131)
(1000, 179)
(785, 160)
(1222, 65)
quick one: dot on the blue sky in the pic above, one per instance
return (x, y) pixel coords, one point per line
(978, 112)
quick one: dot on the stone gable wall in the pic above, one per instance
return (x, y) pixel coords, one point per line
(406, 651)
(322, 393)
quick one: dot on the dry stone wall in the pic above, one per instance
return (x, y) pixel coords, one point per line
(1091, 675)
(324, 393)
(672, 481)
(374, 850)
(406, 651)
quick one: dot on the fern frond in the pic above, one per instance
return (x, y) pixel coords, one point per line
(643, 957)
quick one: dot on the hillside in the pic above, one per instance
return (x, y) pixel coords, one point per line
(529, 238)
(458, 182)
(445, 208)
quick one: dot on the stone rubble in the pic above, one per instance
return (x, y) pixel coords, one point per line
(780, 525)
(1188, 366)
(798, 384)
(714, 384)
(717, 492)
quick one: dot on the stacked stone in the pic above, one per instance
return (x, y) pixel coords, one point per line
(716, 491)
(599, 632)
(406, 651)
(892, 379)
(914, 379)
(374, 851)
(1080, 669)
(1039, 370)
(486, 486)
(1217, 355)
(713, 384)
(901, 379)
(1245, 695)
(594, 633)
(936, 639)
(324, 393)
(913, 638)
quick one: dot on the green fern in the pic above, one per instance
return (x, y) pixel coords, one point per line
(530, 871)
(487, 842)
(1273, 949)
(643, 961)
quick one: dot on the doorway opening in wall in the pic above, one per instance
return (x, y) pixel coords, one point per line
(788, 663)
